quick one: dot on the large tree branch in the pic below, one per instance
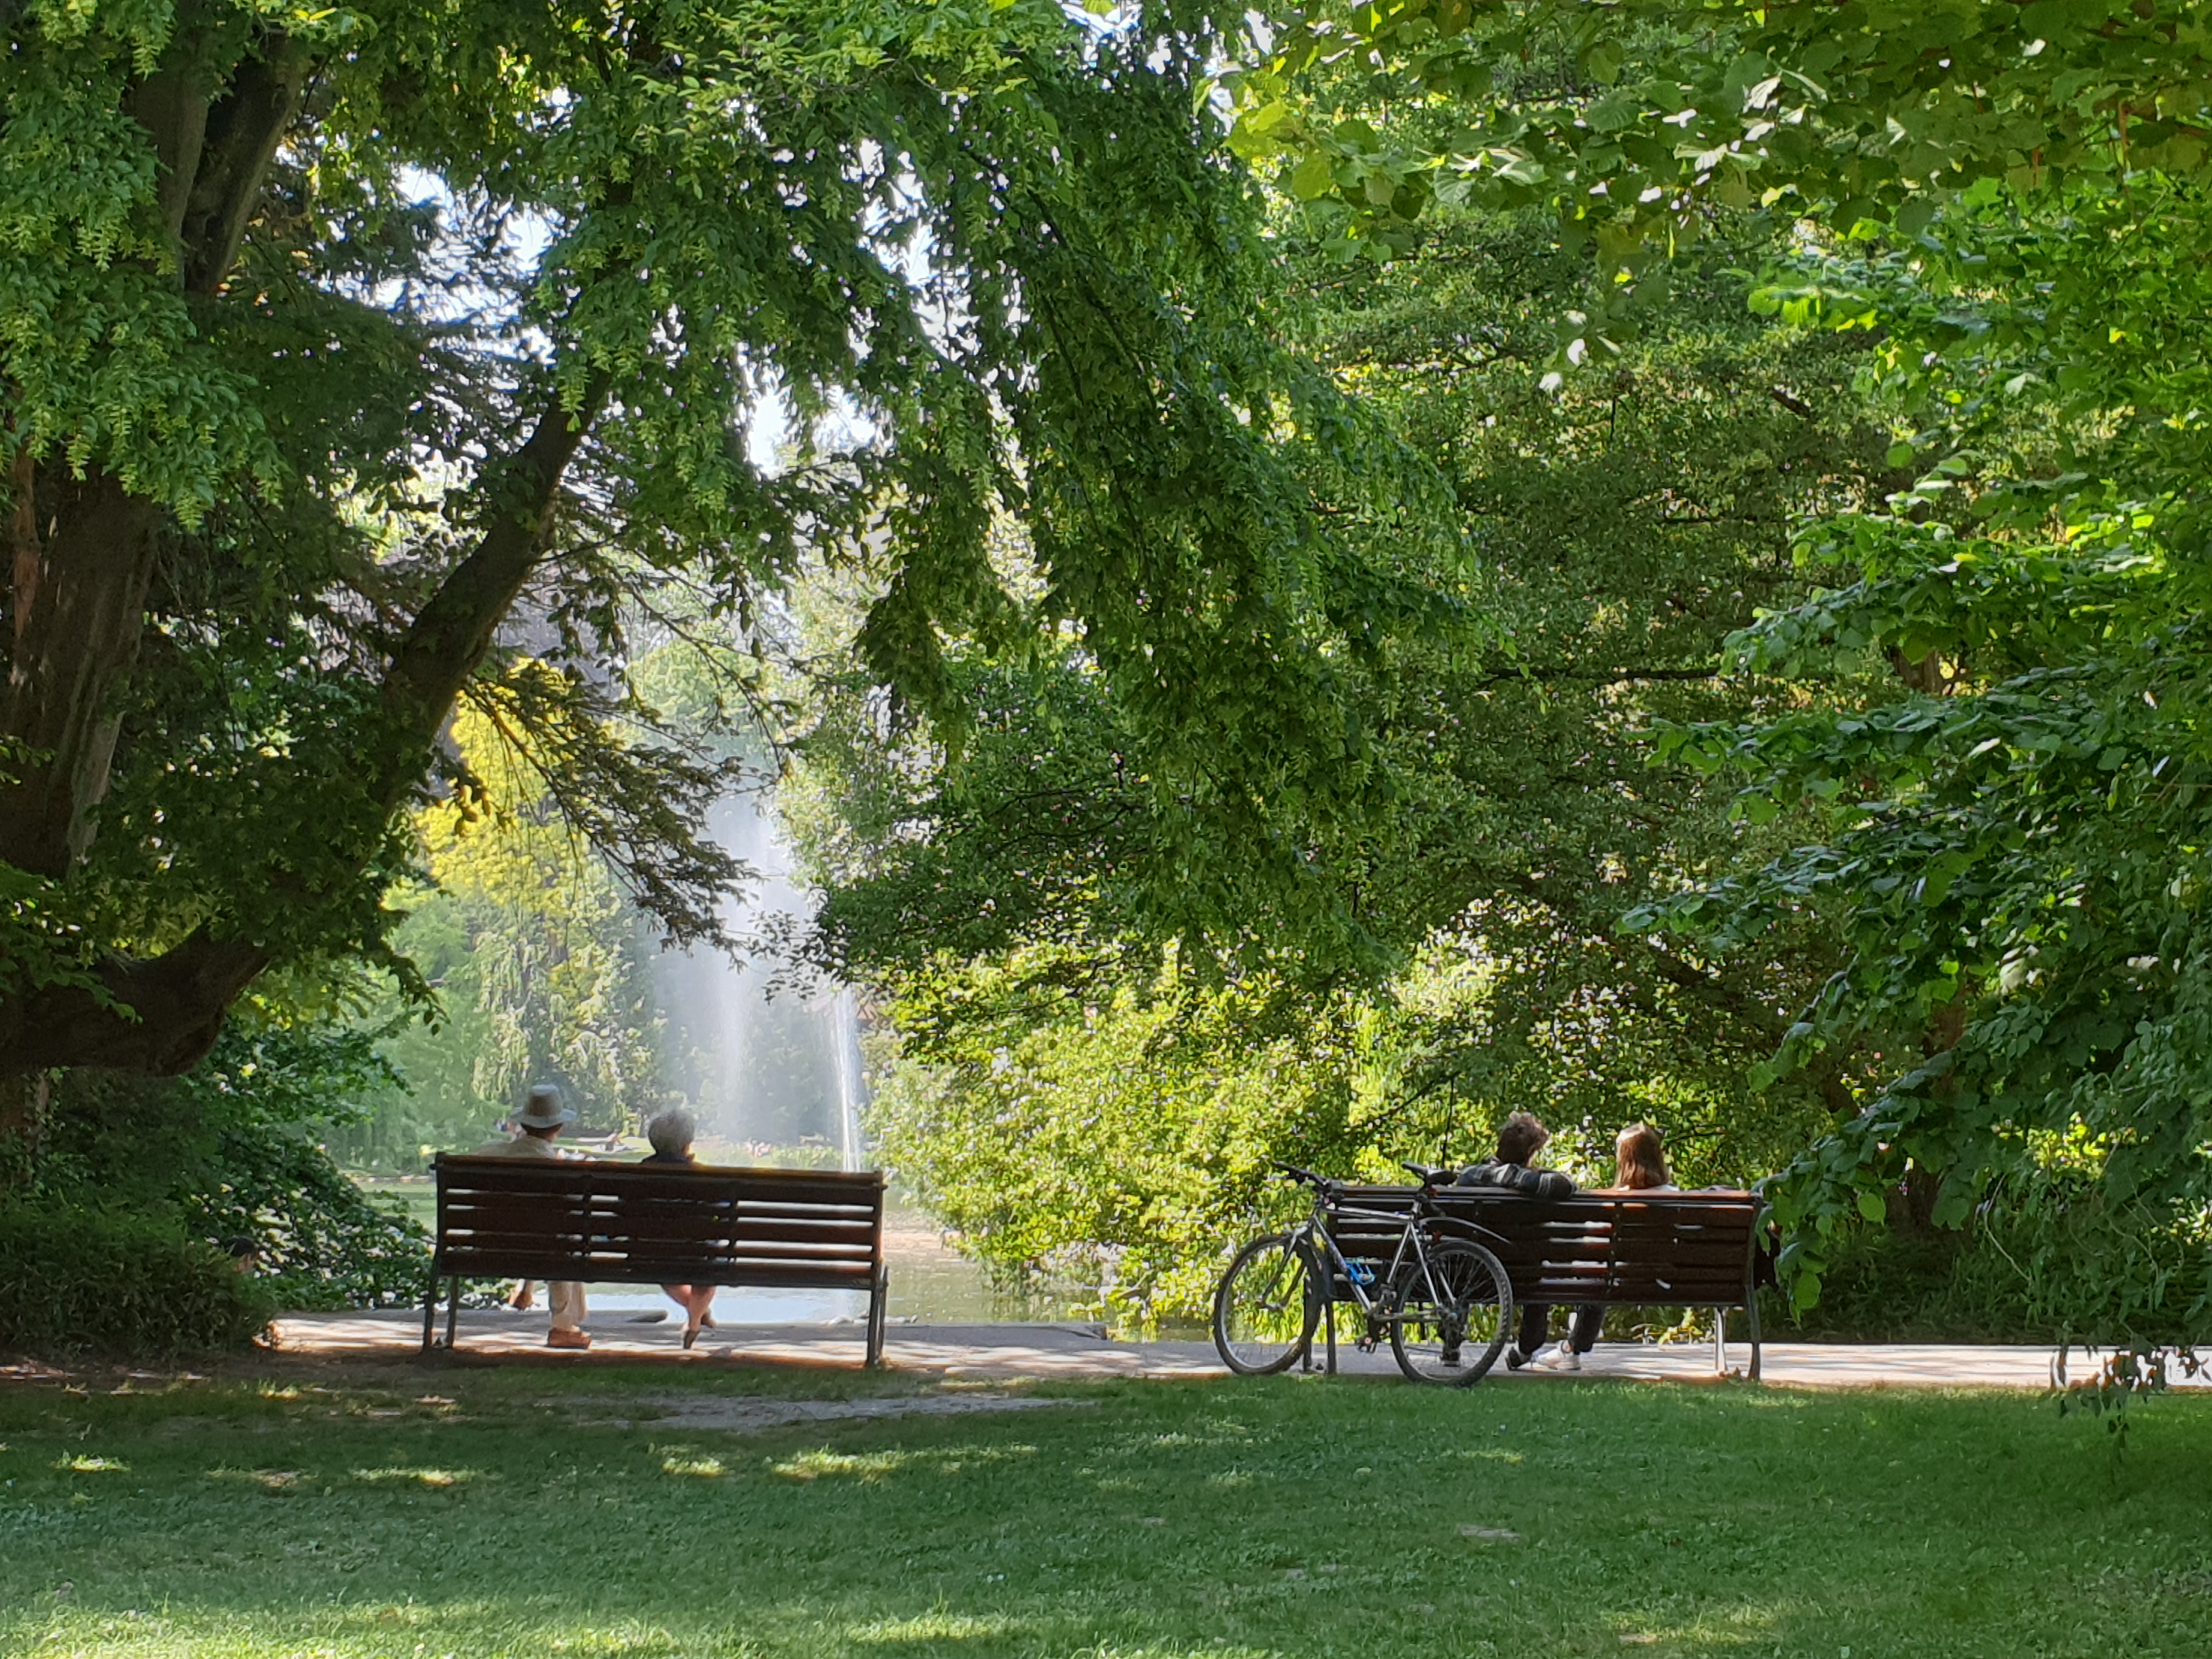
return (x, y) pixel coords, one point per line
(1729, 1003)
(451, 634)
(214, 148)
(242, 133)
(1543, 674)
(162, 1015)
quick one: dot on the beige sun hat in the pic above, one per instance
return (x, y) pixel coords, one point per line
(544, 1110)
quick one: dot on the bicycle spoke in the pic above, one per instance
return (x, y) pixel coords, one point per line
(1266, 1308)
(1453, 1314)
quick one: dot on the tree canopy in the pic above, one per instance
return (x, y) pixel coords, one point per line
(1634, 119)
(2009, 201)
(1622, 526)
(367, 363)
(350, 352)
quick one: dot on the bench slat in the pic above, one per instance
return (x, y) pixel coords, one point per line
(772, 1275)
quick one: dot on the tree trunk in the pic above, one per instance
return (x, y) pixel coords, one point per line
(1911, 1207)
(84, 556)
(22, 1118)
(1923, 1190)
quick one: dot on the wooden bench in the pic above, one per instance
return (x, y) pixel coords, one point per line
(1640, 1249)
(656, 1223)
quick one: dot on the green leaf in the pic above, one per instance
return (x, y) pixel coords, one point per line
(1313, 177)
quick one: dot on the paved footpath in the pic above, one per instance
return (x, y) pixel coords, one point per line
(1075, 1351)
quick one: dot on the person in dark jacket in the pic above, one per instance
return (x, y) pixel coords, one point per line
(1520, 1139)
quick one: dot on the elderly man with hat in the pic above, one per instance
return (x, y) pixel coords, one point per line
(538, 1126)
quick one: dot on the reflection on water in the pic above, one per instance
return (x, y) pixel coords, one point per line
(931, 1284)
(735, 1306)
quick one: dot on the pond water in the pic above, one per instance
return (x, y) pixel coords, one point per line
(931, 1283)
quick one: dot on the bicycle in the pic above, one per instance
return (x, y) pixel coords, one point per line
(1444, 1302)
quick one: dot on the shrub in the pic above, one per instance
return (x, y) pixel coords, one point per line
(231, 1150)
(2069, 1267)
(77, 1280)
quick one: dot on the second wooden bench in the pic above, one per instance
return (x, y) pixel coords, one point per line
(1696, 1250)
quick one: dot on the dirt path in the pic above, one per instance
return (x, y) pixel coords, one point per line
(742, 1415)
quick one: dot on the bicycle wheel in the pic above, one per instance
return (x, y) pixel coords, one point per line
(1451, 1316)
(1265, 1308)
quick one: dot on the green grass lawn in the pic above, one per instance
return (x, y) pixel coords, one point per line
(530, 1513)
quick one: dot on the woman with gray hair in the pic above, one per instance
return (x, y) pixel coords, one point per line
(671, 1134)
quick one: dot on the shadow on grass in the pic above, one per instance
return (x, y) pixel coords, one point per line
(1279, 1517)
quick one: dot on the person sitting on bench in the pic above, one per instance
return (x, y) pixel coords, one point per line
(671, 1134)
(1520, 1139)
(540, 1124)
(1639, 1166)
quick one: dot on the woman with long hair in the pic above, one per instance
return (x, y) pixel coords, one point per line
(1639, 1159)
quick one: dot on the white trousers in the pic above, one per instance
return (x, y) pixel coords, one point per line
(566, 1299)
(566, 1296)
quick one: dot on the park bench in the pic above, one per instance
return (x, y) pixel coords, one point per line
(656, 1223)
(1636, 1250)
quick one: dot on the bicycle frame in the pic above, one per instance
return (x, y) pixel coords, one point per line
(1325, 1261)
(1413, 1237)
(1357, 1277)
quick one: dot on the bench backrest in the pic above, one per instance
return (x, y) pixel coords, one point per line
(1650, 1249)
(651, 1224)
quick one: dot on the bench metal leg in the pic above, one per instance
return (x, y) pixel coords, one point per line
(430, 1309)
(452, 1310)
(878, 1294)
(1751, 1313)
(1720, 1341)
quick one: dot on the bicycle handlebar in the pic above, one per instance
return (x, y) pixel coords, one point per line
(1319, 1182)
(1431, 1179)
(1427, 1175)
